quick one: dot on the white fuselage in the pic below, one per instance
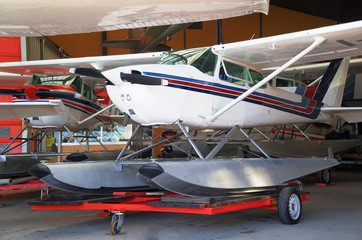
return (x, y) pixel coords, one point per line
(191, 96)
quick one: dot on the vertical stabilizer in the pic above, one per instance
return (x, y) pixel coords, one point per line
(334, 94)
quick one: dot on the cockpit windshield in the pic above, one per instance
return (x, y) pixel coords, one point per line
(71, 81)
(201, 58)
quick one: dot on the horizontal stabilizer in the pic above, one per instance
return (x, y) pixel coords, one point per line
(350, 114)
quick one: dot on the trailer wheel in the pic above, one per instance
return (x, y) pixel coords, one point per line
(114, 228)
(289, 206)
(324, 176)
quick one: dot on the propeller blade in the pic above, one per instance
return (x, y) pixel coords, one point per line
(57, 94)
(89, 72)
(140, 79)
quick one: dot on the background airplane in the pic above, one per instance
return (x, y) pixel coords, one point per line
(48, 104)
(54, 102)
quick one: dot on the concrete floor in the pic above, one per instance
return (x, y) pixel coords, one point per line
(333, 212)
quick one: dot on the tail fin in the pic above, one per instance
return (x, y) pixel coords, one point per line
(329, 89)
(332, 84)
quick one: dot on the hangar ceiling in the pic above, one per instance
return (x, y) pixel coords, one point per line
(338, 10)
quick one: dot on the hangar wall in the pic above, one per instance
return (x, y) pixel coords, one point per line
(10, 51)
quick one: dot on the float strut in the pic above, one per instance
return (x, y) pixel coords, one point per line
(190, 140)
(252, 140)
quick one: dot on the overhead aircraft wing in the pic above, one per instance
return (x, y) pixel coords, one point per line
(81, 66)
(339, 41)
(24, 109)
(29, 18)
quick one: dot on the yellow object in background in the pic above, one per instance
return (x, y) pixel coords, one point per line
(49, 141)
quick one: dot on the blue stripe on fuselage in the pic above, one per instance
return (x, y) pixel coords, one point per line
(304, 101)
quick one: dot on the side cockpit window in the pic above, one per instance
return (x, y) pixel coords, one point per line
(89, 93)
(201, 58)
(225, 77)
(206, 62)
(76, 84)
(256, 77)
(71, 81)
(239, 74)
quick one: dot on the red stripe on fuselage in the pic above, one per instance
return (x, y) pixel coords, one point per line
(308, 109)
(87, 109)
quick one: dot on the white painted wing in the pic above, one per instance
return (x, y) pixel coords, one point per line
(13, 80)
(341, 40)
(30, 109)
(350, 114)
(313, 71)
(62, 66)
(41, 17)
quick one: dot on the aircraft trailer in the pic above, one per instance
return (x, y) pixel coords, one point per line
(287, 200)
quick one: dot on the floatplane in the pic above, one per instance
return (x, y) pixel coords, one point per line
(218, 87)
(54, 114)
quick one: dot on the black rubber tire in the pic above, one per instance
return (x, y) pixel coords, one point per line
(113, 228)
(76, 157)
(324, 176)
(289, 206)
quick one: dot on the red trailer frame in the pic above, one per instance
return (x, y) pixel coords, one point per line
(29, 184)
(135, 201)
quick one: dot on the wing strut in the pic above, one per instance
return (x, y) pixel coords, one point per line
(96, 114)
(318, 41)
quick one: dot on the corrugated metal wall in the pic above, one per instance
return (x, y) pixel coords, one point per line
(40, 48)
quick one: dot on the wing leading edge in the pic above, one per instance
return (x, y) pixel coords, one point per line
(24, 109)
(67, 66)
(342, 40)
(24, 18)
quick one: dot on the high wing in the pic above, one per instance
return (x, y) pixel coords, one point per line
(282, 51)
(335, 42)
(82, 66)
(29, 18)
(338, 41)
(314, 71)
(23, 109)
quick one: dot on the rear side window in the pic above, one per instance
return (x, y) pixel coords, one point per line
(236, 71)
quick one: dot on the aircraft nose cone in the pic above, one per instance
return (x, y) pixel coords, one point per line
(151, 170)
(39, 170)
